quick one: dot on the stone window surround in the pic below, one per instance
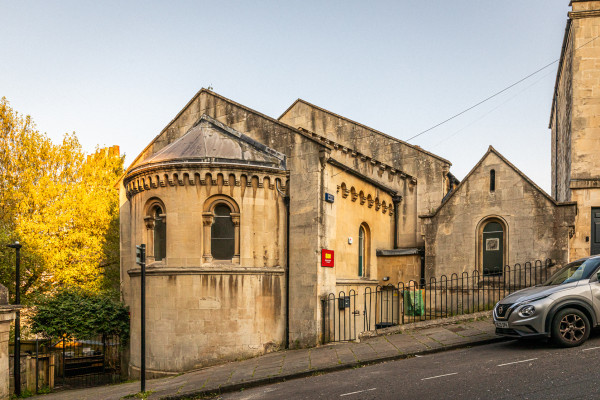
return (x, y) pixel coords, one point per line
(479, 239)
(366, 273)
(149, 217)
(208, 217)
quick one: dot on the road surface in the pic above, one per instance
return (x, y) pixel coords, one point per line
(506, 370)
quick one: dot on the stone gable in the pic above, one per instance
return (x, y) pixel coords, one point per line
(534, 225)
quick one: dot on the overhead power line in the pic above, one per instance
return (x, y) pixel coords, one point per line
(479, 103)
(495, 94)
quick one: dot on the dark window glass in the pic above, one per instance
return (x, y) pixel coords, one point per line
(492, 227)
(160, 235)
(222, 234)
(361, 251)
(492, 180)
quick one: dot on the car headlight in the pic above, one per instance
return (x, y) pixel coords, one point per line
(526, 311)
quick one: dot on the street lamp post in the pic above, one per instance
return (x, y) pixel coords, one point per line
(17, 368)
(140, 255)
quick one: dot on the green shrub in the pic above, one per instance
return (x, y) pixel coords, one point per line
(75, 313)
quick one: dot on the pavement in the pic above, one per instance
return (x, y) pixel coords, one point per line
(386, 345)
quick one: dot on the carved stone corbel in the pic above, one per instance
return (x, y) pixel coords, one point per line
(324, 155)
(149, 222)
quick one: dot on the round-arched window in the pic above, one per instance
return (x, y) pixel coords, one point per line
(222, 233)
(362, 264)
(160, 234)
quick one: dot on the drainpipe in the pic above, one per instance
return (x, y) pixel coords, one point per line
(396, 200)
(422, 255)
(286, 201)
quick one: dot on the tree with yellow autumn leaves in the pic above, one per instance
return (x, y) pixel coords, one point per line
(61, 205)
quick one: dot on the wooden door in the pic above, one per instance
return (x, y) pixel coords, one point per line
(493, 248)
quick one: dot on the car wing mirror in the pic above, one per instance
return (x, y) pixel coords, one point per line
(598, 276)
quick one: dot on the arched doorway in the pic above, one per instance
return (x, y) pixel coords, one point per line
(492, 247)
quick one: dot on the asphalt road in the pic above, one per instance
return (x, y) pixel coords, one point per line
(506, 370)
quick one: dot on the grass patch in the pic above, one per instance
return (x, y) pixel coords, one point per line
(139, 395)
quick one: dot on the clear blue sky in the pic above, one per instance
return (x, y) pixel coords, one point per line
(116, 72)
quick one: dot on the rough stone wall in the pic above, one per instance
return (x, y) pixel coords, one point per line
(536, 228)
(399, 269)
(560, 124)
(202, 319)
(305, 182)
(5, 321)
(582, 66)
(429, 169)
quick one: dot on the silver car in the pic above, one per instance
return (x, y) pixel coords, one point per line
(564, 308)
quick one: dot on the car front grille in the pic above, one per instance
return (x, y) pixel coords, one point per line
(502, 310)
(506, 331)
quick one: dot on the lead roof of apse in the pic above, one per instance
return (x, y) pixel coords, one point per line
(211, 142)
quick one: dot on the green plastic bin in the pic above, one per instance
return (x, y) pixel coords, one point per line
(414, 306)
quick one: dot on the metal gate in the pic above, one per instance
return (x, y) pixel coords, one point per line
(340, 317)
(89, 362)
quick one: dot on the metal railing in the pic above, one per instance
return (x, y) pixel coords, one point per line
(58, 364)
(346, 315)
(89, 362)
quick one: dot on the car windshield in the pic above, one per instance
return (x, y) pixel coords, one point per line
(575, 271)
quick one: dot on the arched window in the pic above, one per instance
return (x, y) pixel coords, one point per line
(493, 247)
(363, 250)
(221, 220)
(492, 180)
(160, 234)
(156, 224)
(222, 234)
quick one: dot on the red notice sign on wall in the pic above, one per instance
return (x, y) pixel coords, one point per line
(327, 258)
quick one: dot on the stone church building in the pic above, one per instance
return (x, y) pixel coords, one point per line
(250, 220)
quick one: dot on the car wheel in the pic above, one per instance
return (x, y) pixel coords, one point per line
(570, 328)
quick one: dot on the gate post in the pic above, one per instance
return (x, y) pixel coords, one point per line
(323, 305)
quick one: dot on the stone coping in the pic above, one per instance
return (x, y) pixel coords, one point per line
(209, 269)
(397, 252)
(424, 324)
(8, 311)
(355, 281)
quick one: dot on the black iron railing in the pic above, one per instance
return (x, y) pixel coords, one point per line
(68, 363)
(347, 314)
(91, 362)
